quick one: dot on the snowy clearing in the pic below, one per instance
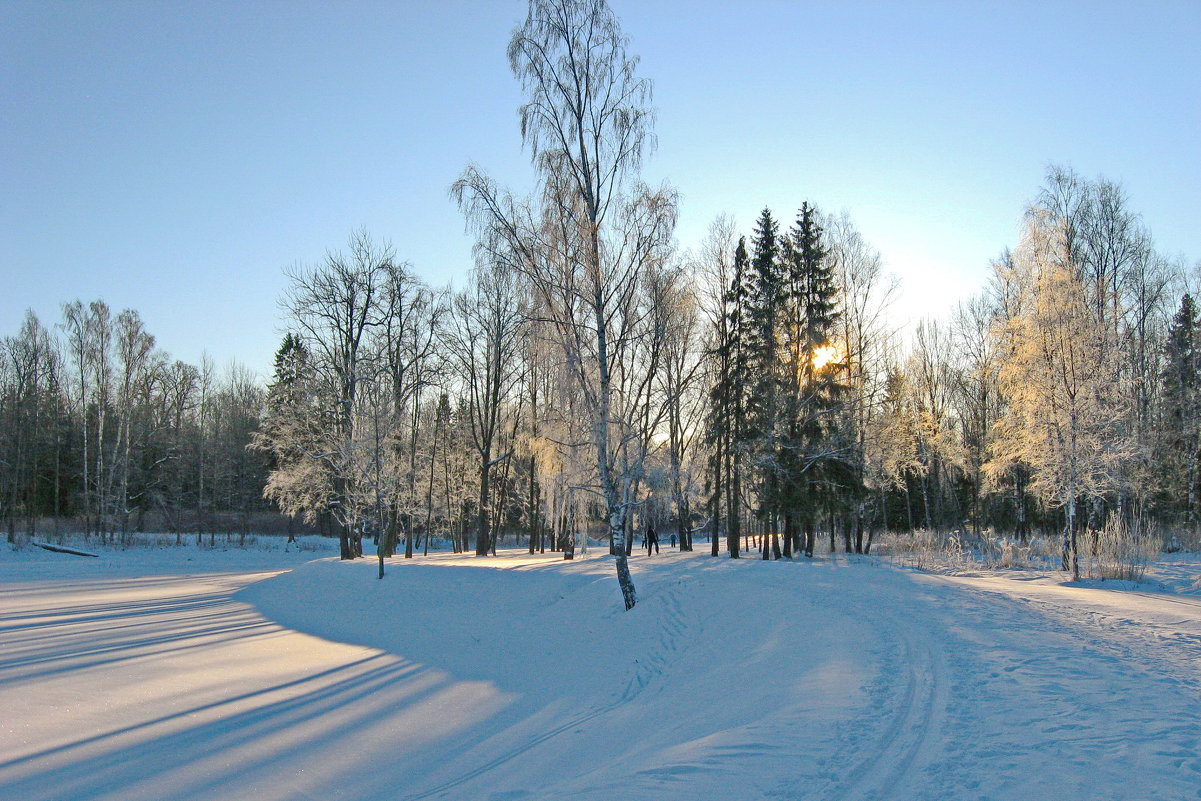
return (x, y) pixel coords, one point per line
(203, 674)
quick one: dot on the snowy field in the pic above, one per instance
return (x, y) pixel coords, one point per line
(186, 673)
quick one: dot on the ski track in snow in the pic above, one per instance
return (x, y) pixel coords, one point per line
(519, 678)
(1020, 698)
(913, 688)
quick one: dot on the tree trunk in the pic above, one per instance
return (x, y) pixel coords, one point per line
(733, 500)
(482, 540)
(1071, 561)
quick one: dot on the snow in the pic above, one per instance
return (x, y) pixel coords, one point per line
(188, 673)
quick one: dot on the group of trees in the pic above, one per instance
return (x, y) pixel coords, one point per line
(794, 380)
(590, 379)
(591, 372)
(1064, 397)
(100, 426)
(1093, 375)
(1061, 397)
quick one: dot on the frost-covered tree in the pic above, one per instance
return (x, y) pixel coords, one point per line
(864, 340)
(297, 432)
(484, 344)
(1063, 394)
(892, 445)
(587, 121)
(336, 307)
(974, 392)
(674, 307)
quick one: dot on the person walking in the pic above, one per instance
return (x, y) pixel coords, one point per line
(652, 540)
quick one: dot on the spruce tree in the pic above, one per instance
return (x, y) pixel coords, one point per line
(1180, 424)
(811, 477)
(727, 405)
(763, 319)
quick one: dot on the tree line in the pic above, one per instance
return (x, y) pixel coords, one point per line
(102, 431)
(591, 378)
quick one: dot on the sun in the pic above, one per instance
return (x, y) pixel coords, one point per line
(826, 354)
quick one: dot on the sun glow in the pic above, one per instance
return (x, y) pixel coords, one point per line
(826, 354)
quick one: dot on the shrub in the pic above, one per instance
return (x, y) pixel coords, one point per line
(1118, 551)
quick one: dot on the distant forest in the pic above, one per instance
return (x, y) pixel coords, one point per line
(594, 378)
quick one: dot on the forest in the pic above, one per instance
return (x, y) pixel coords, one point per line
(750, 393)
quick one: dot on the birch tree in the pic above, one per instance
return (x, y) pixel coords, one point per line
(587, 122)
(1060, 383)
(723, 265)
(863, 339)
(678, 313)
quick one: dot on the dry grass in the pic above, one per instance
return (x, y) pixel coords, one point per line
(1118, 552)
(1114, 552)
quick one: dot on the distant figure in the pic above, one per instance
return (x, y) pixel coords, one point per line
(652, 540)
(673, 540)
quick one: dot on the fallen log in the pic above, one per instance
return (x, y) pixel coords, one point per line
(61, 549)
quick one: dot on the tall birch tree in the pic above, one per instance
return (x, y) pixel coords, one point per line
(587, 122)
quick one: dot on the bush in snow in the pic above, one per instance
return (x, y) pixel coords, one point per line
(1117, 551)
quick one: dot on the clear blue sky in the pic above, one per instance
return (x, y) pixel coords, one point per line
(175, 157)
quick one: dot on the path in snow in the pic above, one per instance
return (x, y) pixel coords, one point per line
(1000, 689)
(520, 678)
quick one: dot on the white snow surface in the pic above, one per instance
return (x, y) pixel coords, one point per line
(192, 674)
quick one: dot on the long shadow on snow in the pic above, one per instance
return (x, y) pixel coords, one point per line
(511, 627)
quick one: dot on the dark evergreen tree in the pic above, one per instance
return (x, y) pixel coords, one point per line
(1180, 420)
(728, 398)
(810, 282)
(762, 318)
(737, 300)
(812, 478)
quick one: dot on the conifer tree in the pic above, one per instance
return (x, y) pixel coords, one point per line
(1180, 423)
(737, 394)
(812, 478)
(297, 433)
(762, 321)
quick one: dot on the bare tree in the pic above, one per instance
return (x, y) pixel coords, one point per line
(975, 391)
(587, 122)
(139, 364)
(336, 306)
(75, 323)
(677, 315)
(29, 393)
(484, 344)
(100, 344)
(863, 342)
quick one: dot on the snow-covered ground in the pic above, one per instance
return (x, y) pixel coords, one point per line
(207, 674)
